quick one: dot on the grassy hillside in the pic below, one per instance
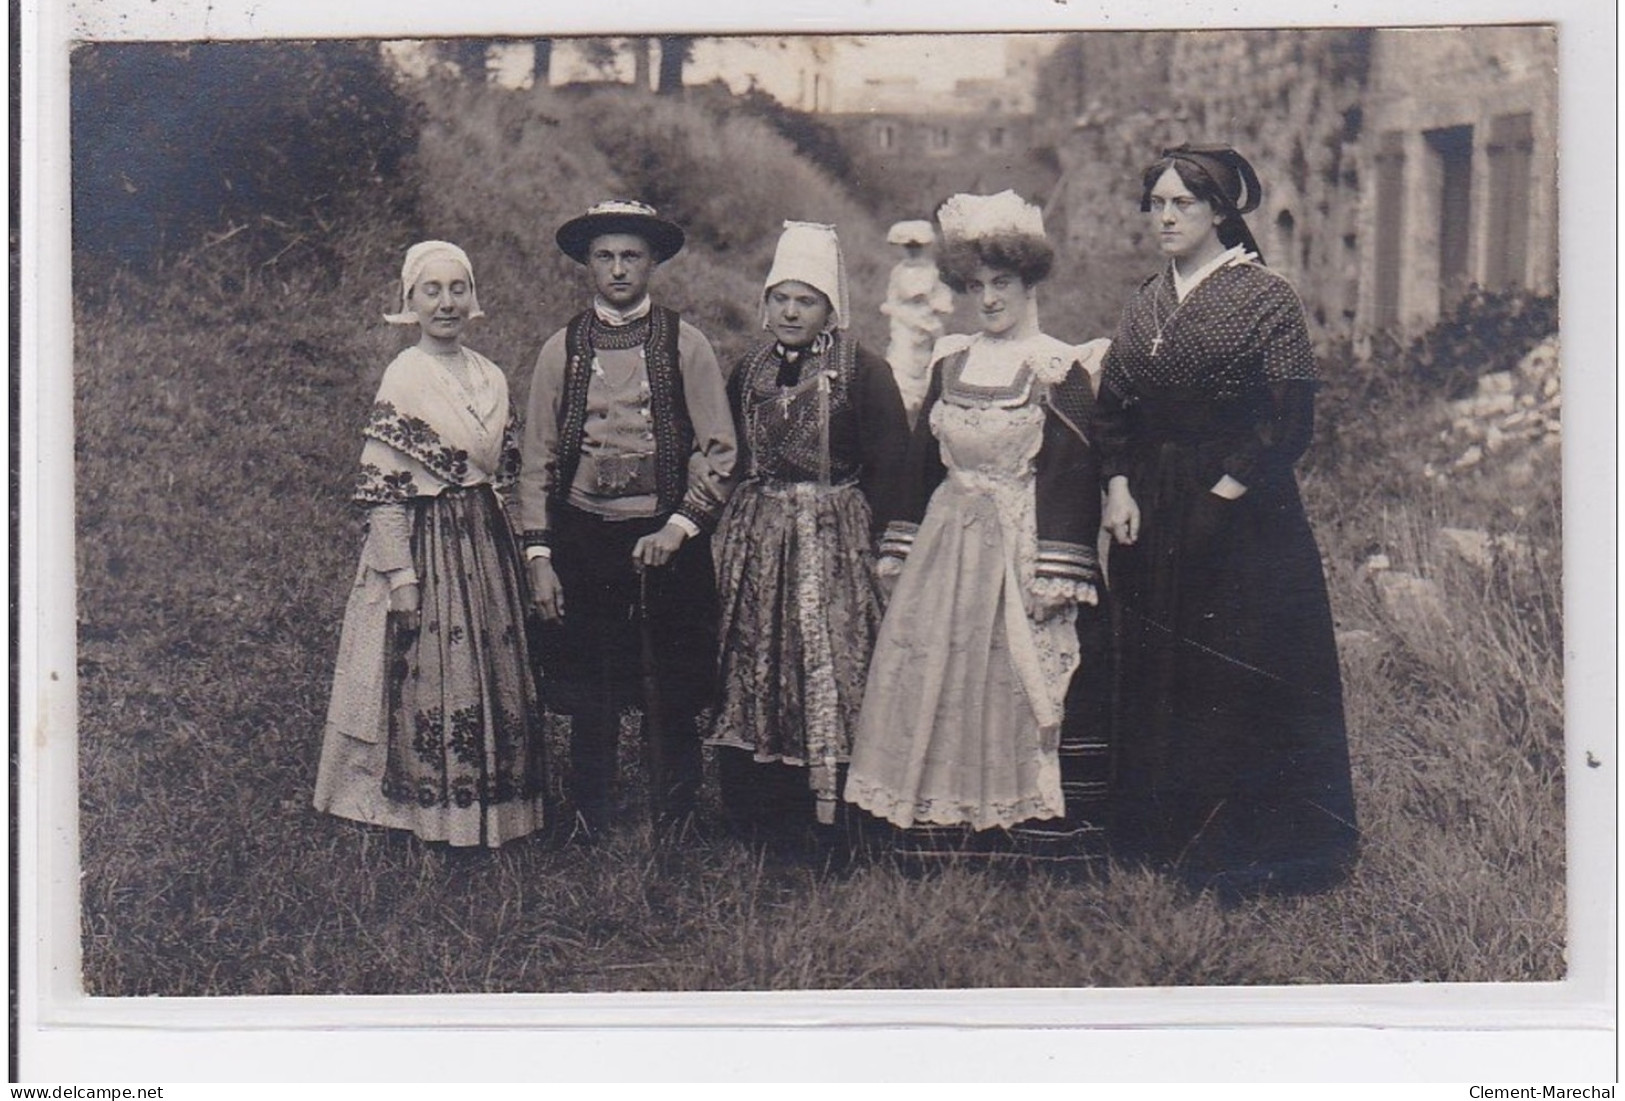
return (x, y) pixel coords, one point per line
(218, 407)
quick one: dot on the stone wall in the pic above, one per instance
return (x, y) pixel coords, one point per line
(1399, 166)
(1289, 100)
(1464, 122)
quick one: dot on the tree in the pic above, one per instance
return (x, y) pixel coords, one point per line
(600, 55)
(541, 66)
(172, 141)
(676, 50)
(470, 56)
(640, 64)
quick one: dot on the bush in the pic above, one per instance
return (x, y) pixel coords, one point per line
(172, 141)
(813, 139)
(1364, 388)
(1487, 331)
(730, 181)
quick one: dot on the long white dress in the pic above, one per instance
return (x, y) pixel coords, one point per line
(964, 700)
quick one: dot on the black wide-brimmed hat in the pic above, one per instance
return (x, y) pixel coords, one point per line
(576, 236)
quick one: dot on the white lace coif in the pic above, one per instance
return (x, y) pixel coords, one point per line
(810, 253)
(417, 258)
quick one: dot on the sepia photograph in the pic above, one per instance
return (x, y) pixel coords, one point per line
(697, 513)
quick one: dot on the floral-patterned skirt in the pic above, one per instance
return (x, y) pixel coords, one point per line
(800, 610)
(456, 754)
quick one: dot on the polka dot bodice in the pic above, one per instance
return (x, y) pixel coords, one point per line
(1239, 329)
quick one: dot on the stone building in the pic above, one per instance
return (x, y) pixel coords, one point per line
(914, 142)
(1290, 100)
(913, 160)
(1460, 157)
(1399, 166)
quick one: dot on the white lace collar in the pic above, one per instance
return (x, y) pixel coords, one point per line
(1184, 284)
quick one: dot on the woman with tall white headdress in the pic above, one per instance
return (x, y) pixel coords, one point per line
(434, 724)
(992, 553)
(822, 435)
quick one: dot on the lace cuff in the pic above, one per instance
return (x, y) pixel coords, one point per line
(1055, 592)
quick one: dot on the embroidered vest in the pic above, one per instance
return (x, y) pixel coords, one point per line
(674, 432)
(797, 433)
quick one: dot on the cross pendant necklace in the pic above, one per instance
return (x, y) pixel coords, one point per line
(1162, 322)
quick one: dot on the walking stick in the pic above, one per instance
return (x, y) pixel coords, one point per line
(653, 718)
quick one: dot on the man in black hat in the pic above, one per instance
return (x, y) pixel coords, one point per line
(628, 459)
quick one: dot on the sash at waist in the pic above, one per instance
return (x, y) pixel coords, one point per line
(986, 481)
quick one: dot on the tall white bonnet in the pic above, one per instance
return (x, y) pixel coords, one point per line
(810, 253)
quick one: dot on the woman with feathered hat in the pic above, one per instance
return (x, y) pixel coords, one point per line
(822, 434)
(992, 552)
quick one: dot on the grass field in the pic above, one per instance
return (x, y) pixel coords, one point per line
(217, 415)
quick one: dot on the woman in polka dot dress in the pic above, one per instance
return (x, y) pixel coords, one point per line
(1232, 756)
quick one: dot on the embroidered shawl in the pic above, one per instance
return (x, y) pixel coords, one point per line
(429, 430)
(783, 428)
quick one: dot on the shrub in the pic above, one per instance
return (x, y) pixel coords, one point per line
(813, 139)
(171, 141)
(730, 181)
(1363, 387)
(1487, 331)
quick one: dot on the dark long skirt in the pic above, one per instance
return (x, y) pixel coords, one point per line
(1080, 836)
(1231, 752)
